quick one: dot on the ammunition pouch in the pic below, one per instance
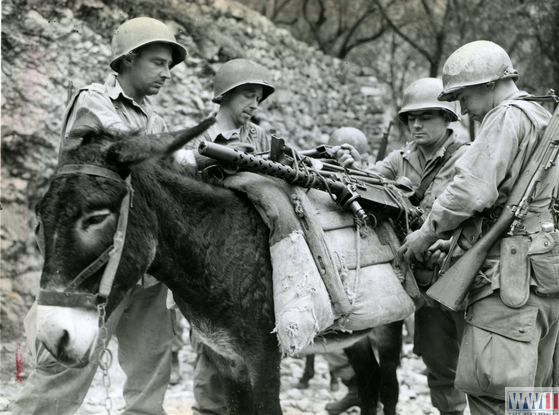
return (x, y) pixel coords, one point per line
(544, 260)
(515, 271)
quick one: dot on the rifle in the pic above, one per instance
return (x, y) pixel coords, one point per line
(349, 192)
(384, 143)
(453, 286)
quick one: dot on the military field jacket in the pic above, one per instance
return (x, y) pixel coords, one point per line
(106, 105)
(409, 162)
(488, 170)
(486, 174)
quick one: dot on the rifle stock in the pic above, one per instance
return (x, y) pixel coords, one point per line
(451, 289)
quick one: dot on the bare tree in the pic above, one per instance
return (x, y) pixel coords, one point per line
(338, 27)
(546, 19)
(427, 25)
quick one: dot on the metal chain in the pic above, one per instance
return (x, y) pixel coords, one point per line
(106, 358)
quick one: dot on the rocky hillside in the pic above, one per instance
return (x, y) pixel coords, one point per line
(47, 44)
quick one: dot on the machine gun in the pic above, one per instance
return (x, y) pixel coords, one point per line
(284, 154)
(355, 194)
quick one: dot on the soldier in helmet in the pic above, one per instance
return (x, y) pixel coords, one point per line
(144, 50)
(511, 329)
(240, 86)
(428, 162)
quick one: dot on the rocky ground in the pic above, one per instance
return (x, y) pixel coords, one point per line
(414, 394)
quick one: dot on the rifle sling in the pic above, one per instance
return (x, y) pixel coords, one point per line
(419, 194)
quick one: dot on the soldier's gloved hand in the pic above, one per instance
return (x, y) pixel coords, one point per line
(415, 244)
(347, 156)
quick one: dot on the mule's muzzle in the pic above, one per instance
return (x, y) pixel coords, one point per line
(69, 334)
(69, 359)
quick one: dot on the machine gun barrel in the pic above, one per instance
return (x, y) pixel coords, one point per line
(350, 195)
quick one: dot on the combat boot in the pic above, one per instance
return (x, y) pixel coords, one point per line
(351, 399)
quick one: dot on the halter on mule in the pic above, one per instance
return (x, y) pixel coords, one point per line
(111, 256)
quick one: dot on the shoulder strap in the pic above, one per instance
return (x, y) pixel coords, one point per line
(419, 194)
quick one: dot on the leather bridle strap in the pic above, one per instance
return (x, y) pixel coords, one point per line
(88, 169)
(63, 299)
(118, 243)
(90, 270)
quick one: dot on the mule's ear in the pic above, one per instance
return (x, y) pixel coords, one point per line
(142, 147)
(184, 136)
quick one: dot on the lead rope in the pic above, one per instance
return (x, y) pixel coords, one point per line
(106, 358)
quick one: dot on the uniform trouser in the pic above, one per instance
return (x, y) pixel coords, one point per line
(143, 327)
(506, 347)
(339, 365)
(437, 337)
(208, 390)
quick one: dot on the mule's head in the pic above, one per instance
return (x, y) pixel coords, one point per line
(81, 216)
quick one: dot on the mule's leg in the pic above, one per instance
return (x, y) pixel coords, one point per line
(308, 373)
(254, 387)
(390, 347)
(334, 382)
(367, 374)
(264, 369)
(236, 384)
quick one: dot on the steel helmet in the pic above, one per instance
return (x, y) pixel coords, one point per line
(239, 72)
(350, 135)
(475, 63)
(140, 32)
(422, 95)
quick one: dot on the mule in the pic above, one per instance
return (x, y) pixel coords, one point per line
(206, 243)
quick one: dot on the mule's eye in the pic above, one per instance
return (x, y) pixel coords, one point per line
(95, 218)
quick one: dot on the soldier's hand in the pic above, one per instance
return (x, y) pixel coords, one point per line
(347, 156)
(437, 253)
(415, 244)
